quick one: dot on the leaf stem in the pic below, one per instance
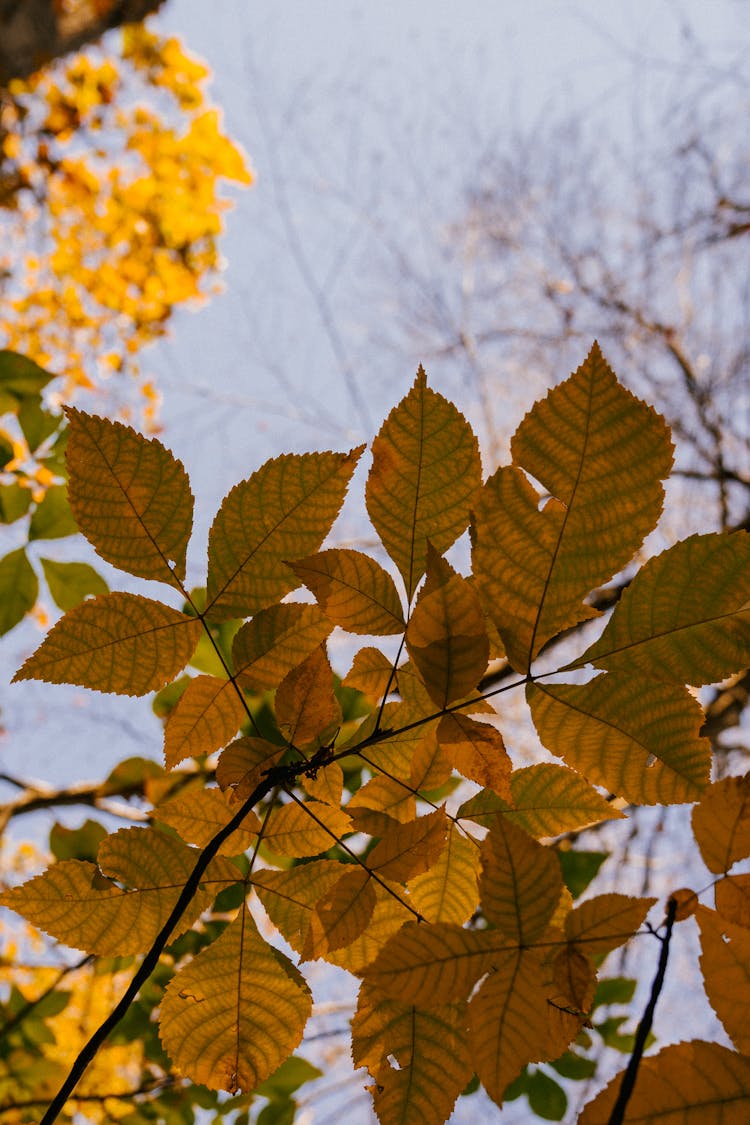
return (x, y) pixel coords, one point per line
(630, 1074)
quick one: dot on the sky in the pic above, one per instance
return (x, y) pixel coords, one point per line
(360, 121)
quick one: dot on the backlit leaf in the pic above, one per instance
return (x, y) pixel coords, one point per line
(353, 590)
(446, 637)
(207, 716)
(725, 964)
(299, 831)
(232, 1015)
(448, 891)
(19, 589)
(69, 583)
(81, 905)
(327, 785)
(520, 883)
(284, 511)
(53, 519)
(429, 965)
(477, 751)
(275, 641)
(721, 823)
(307, 710)
(636, 736)
(733, 899)
(546, 800)
(241, 765)
(122, 643)
(424, 479)
(430, 1052)
(409, 849)
(389, 916)
(601, 924)
(130, 497)
(384, 795)
(685, 615)
(198, 815)
(340, 916)
(691, 1083)
(600, 454)
(508, 1020)
(290, 896)
(370, 673)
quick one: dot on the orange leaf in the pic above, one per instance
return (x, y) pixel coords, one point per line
(206, 717)
(408, 849)
(733, 899)
(477, 751)
(721, 823)
(370, 673)
(448, 890)
(353, 590)
(341, 915)
(275, 641)
(520, 884)
(725, 964)
(307, 710)
(602, 923)
(241, 765)
(199, 815)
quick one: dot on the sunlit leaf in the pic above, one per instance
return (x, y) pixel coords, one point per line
(520, 883)
(424, 479)
(207, 716)
(340, 916)
(601, 924)
(477, 751)
(82, 905)
(284, 511)
(327, 785)
(130, 497)
(409, 849)
(448, 891)
(275, 641)
(721, 823)
(290, 896)
(370, 673)
(600, 453)
(242, 764)
(198, 815)
(430, 1051)
(694, 1083)
(390, 914)
(685, 615)
(429, 965)
(725, 964)
(231, 1016)
(384, 795)
(307, 710)
(446, 637)
(305, 830)
(638, 737)
(353, 590)
(733, 899)
(121, 643)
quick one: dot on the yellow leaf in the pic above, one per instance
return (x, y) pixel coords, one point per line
(284, 511)
(570, 998)
(721, 823)
(446, 638)
(432, 1062)
(508, 1020)
(685, 615)
(424, 479)
(299, 831)
(389, 916)
(691, 1083)
(725, 964)
(384, 796)
(242, 764)
(430, 765)
(340, 916)
(546, 800)
(600, 454)
(206, 717)
(130, 497)
(307, 710)
(429, 965)
(118, 642)
(290, 897)
(370, 673)
(409, 849)
(199, 815)
(327, 785)
(232, 1015)
(82, 905)
(635, 736)
(448, 890)
(520, 884)
(733, 899)
(477, 751)
(602, 923)
(275, 641)
(353, 590)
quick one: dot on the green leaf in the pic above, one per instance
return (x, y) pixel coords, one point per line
(574, 1066)
(685, 615)
(284, 511)
(53, 519)
(118, 642)
(20, 376)
(19, 589)
(546, 1098)
(70, 583)
(600, 453)
(292, 1074)
(130, 497)
(425, 476)
(37, 424)
(14, 501)
(76, 843)
(579, 868)
(614, 990)
(636, 736)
